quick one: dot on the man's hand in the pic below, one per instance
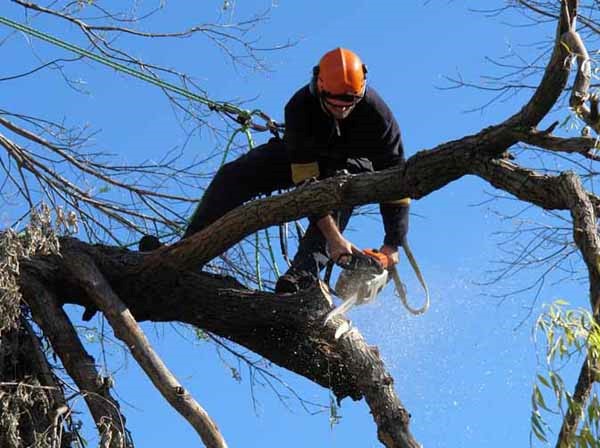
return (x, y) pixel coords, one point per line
(337, 245)
(391, 252)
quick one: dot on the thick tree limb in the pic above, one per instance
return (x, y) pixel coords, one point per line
(528, 185)
(423, 173)
(585, 234)
(287, 330)
(80, 366)
(125, 327)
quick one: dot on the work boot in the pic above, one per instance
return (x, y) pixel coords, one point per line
(295, 280)
(149, 243)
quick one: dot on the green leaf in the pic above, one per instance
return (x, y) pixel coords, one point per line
(537, 428)
(540, 399)
(544, 381)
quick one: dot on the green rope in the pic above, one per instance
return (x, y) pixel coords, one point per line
(243, 116)
(246, 131)
(228, 146)
(257, 261)
(272, 253)
(219, 107)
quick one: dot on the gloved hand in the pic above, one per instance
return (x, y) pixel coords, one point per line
(391, 252)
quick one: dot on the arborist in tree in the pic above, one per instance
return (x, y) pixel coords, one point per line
(334, 123)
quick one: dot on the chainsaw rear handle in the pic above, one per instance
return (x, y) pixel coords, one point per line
(364, 259)
(382, 258)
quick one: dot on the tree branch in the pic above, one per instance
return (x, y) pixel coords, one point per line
(585, 146)
(125, 327)
(288, 330)
(586, 237)
(528, 185)
(80, 366)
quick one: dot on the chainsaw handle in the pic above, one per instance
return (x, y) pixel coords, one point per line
(382, 258)
(349, 257)
(344, 261)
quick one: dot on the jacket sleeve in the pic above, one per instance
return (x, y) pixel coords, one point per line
(394, 213)
(395, 222)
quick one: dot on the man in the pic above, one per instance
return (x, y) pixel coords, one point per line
(334, 123)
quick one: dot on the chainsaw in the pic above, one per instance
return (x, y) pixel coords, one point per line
(364, 275)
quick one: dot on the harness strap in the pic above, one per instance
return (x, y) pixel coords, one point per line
(401, 289)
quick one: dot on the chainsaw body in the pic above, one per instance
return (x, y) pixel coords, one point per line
(363, 277)
(364, 274)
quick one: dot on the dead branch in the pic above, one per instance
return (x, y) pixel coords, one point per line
(80, 366)
(125, 327)
(29, 391)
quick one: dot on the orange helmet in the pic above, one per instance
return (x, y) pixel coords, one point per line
(341, 73)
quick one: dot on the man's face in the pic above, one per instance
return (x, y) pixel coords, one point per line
(338, 108)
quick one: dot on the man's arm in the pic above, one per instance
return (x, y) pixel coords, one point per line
(395, 223)
(387, 152)
(336, 243)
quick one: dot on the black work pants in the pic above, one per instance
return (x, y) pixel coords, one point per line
(263, 170)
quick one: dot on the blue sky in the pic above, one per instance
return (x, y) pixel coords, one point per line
(465, 369)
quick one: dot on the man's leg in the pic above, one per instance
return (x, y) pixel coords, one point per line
(260, 171)
(312, 255)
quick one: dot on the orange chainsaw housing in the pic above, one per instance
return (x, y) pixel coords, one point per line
(379, 256)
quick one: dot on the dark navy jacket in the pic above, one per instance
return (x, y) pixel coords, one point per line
(318, 147)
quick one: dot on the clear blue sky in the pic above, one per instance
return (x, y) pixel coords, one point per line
(465, 369)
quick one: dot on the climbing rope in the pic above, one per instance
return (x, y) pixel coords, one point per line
(244, 117)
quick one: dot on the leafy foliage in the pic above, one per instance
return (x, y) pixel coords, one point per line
(568, 334)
